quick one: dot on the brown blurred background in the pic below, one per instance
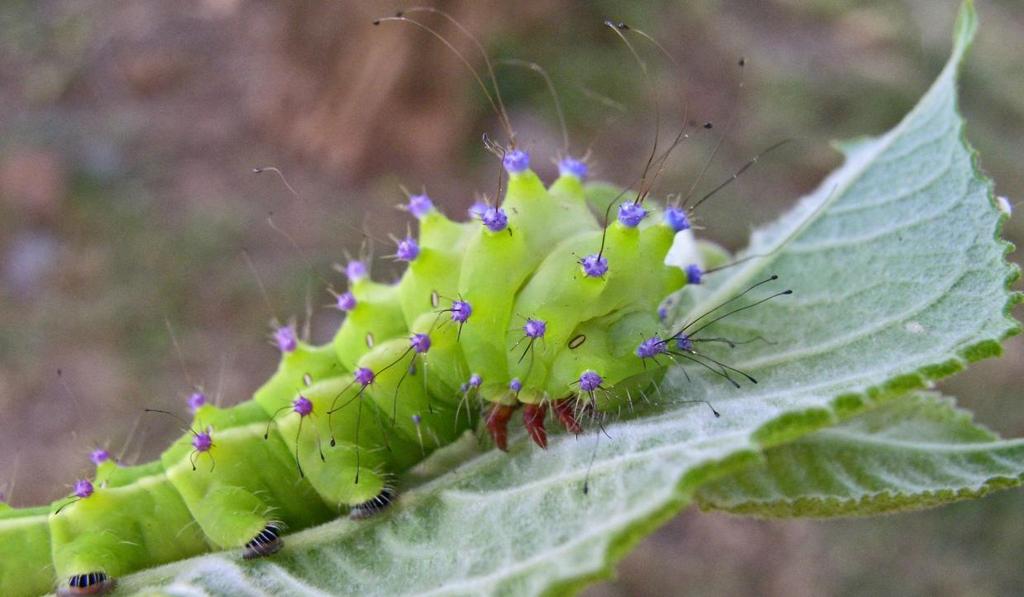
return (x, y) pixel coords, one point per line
(128, 133)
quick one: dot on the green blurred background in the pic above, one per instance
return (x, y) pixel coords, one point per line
(129, 131)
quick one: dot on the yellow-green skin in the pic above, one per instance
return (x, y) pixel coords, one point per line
(167, 510)
(25, 564)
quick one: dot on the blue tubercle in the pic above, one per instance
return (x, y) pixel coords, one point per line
(347, 301)
(202, 442)
(595, 265)
(286, 339)
(693, 273)
(420, 343)
(83, 488)
(535, 328)
(590, 381)
(477, 209)
(408, 249)
(420, 205)
(495, 219)
(99, 456)
(355, 271)
(461, 310)
(516, 161)
(651, 347)
(676, 219)
(364, 376)
(196, 400)
(631, 214)
(302, 405)
(568, 166)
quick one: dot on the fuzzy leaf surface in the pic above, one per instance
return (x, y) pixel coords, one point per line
(899, 277)
(913, 452)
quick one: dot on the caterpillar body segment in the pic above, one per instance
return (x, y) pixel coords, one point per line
(608, 351)
(138, 519)
(435, 271)
(558, 294)
(547, 218)
(494, 267)
(109, 472)
(25, 560)
(400, 393)
(445, 366)
(377, 316)
(563, 296)
(333, 477)
(248, 482)
(305, 362)
(568, 188)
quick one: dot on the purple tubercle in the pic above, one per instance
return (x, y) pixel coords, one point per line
(631, 214)
(595, 265)
(416, 420)
(83, 488)
(408, 249)
(515, 385)
(676, 219)
(662, 313)
(364, 376)
(196, 400)
(202, 442)
(693, 273)
(302, 405)
(535, 328)
(99, 456)
(568, 166)
(495, 219)
(285, 338)
(477, 209)
(650, 347)
(516, 161)
(475, 380)
(355, 271)
(590, 381)
(684, 342)
(461, 310)
(420, 205)
(420, 343)
(347, 301)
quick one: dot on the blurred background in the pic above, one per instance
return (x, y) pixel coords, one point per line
(129, 131)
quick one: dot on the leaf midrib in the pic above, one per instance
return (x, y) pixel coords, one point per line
(832, 435)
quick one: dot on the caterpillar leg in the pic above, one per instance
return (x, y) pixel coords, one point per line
(497, 424)
(266, 542)
(533, 420)
(91, 583)
(565, 410)
(373, 506)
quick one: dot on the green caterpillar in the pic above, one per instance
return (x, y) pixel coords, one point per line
(336, 422)
(535, 303)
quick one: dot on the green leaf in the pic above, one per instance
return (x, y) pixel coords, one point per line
(899, 278)
(914, 452)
